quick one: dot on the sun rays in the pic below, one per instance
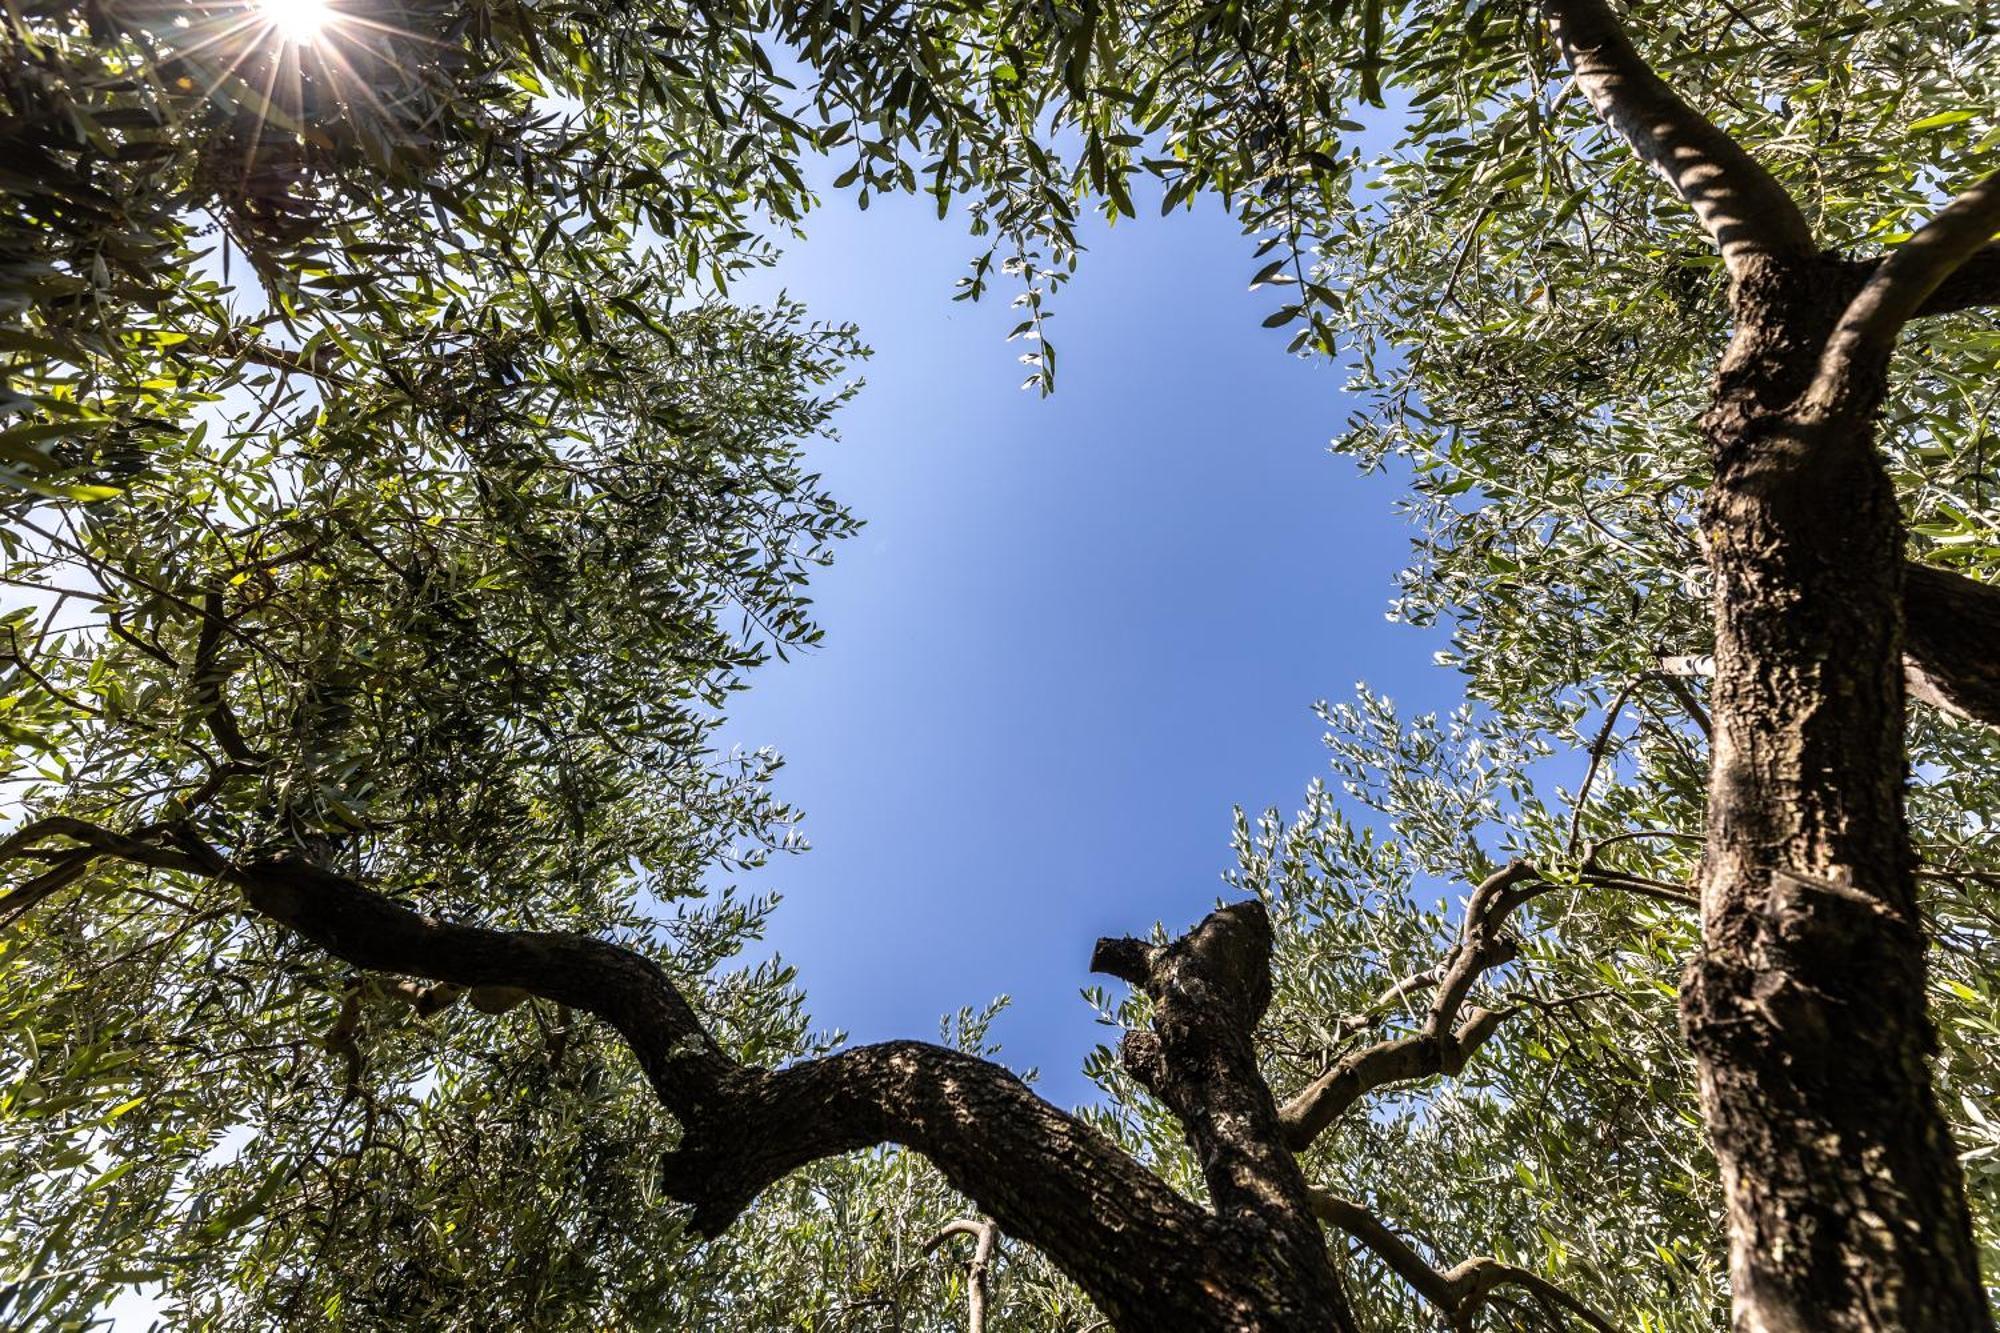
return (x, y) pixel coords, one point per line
(299, 22)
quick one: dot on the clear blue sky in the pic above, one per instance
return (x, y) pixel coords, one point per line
(1076, 631)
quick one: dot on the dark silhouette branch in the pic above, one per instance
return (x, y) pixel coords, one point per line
(1148, 1257)
(211, 680)
(66, 869)
(1741, 206)
(1951, 644)
(1973, 285)
(1459, 1292)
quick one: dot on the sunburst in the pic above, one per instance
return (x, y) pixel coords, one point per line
(298, 22)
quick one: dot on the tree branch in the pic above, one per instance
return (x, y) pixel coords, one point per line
(978, 1272)
(1145, 1255)
(1459, 1292)
(1973, 285)
(211, 680)
(1209, 989)
(1450, 1032)
(1741, 206)
(1951, 644)
(1443, 1043)
(1853, 366)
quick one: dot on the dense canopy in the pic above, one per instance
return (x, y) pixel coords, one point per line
(394, 496)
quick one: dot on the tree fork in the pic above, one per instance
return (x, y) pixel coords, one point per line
(1805, 1007)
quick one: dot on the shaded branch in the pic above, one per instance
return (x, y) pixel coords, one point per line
(1458, 1292)
(68, 868)
(1951, 644)
(1741, 206)
(1974, 284)
(1145, 1255)
(211, 678)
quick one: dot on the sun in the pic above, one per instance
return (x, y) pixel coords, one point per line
(297, 21)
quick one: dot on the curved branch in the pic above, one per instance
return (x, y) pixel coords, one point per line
(1741, 206)
(1443, 1043)
(1973, 285)
(1458, 1292)
(1854, 363)
(211, 687)
(1450, 1032)
(979, 1270)
(1145, 1255)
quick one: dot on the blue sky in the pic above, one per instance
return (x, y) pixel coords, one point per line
(1076, 631)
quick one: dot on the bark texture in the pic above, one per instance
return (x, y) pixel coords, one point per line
(1253, 1261)
(1806, 1007)
(1147, 1257)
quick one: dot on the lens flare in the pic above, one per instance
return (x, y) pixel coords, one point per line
(297, 21)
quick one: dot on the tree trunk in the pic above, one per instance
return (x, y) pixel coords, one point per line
(1806, 1008)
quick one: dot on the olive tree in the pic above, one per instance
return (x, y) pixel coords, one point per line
(379, 675)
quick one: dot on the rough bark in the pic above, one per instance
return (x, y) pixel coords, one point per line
(1805, 1008)
(1150, 1259)
(1147, 1257)
(1209, 990)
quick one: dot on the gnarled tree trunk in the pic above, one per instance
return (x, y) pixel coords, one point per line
(1806, 1005)
(1806, 1009)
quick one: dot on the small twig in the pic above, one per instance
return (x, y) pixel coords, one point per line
(978, 1271)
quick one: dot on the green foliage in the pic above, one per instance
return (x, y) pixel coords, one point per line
(388, 481)
(387, 484)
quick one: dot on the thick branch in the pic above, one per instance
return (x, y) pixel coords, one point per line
(1146, 1256)
(1951, 641)
(1209, 990)
(1973, 285)
(1951, 644)
(1458, 1292)
(1740, 204)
